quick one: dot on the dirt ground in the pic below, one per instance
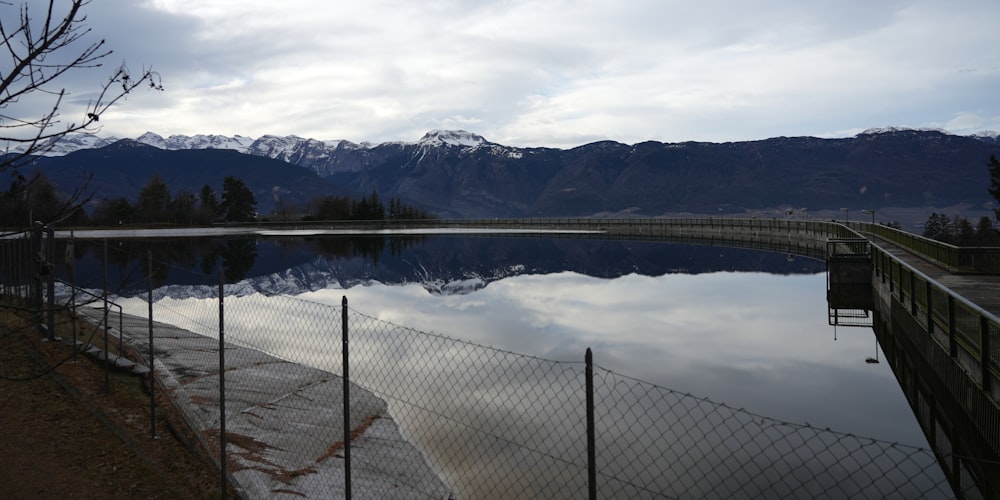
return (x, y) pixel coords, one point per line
(67, 434)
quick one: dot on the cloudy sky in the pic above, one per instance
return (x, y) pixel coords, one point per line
(554, 73)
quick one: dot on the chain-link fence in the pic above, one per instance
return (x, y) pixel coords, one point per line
(436, 417)
(269, 380)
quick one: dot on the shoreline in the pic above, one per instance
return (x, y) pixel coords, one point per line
(282, 437)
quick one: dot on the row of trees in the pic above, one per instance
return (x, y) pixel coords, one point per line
(368, 208)
(959, 231)
(155, 205)
(37, 199)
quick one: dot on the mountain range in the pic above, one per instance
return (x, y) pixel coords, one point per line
(462, 174)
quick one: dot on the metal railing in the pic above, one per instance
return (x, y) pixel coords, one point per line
(983, 260)
(965, 260)
(963, 331)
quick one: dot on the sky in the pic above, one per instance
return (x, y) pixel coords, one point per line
(553, 73)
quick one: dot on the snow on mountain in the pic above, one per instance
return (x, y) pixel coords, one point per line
(987, 136)
(293, 149)
(893, 130)
(328, 157)
(322, 274)
(199, 141)
(884, 130)
(451, 138)
(273, 146)
(75, 142)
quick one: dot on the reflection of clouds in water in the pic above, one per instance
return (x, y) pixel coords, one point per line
(753, 340)
(757, 341)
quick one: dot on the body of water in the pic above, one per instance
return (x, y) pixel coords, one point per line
(741, 327)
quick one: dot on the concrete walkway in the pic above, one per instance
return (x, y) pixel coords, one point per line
(982, 290)
(284, 421)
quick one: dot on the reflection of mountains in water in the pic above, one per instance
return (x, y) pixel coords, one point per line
(441, 264)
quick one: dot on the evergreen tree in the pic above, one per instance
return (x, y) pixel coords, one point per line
(113, 212)
(375, 207)
(43, 202)
(209, 207)
(938, 227)
(153, 202)
(994, 166)
(986, 234)
(184, 209)
(395, 211)
(331, 208)
(208, 202)
(964, 233)
(367, 208)
(238, 202)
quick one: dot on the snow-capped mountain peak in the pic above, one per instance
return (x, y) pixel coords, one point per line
(74, 142)
(200, 141)
(895, 130)
(451, 138)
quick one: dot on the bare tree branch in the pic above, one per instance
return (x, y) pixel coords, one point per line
(34, 55)
(37, 55)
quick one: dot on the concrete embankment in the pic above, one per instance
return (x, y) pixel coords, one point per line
(284, 421)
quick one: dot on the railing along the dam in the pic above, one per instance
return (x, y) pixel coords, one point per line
(962, 260)
(967, 332)
(632, 226)
(975, 260)
(794, 237)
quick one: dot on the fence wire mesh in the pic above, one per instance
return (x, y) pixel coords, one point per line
(656, 442)
(436, 417)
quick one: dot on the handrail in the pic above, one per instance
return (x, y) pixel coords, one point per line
(959, 260)
(959, 317)
(982, 260)
(103, 299)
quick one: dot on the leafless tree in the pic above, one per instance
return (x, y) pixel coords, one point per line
(35, 53)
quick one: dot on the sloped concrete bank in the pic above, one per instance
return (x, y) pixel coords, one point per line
(284, 421)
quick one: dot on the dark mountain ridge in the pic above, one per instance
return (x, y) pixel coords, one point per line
(466, 176)
(123, 168)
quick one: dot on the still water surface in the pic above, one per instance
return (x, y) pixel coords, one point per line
(741, 327)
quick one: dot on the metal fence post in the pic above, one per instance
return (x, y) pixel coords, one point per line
(222, 391)
(985, 350)
(71, 274)
(347, 401)
(50, 266)
(152, 378)
(107, 372)
(929, 296)
(591, 452)
(952, 339)
(36, 257)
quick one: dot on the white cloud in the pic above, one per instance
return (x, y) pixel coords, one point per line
(552, 73)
